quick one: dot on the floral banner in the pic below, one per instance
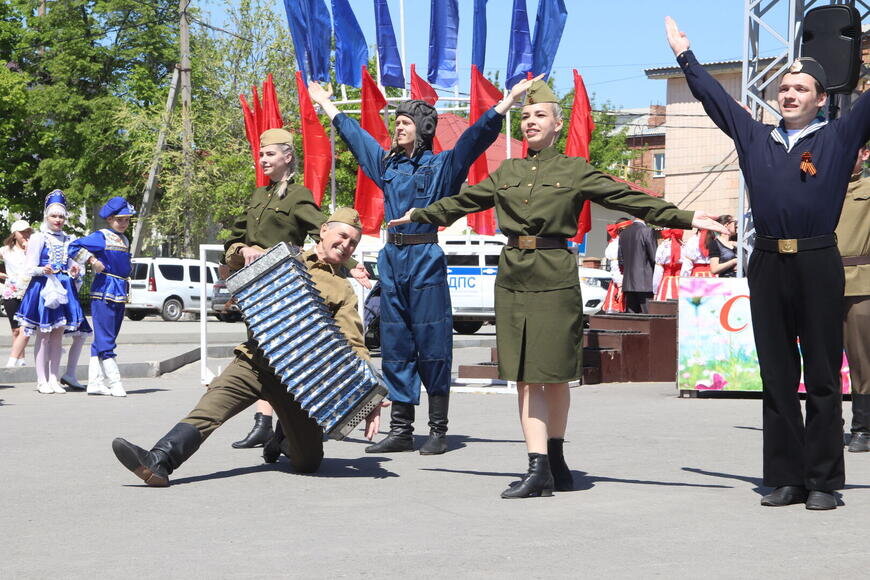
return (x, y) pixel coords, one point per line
(716, 347)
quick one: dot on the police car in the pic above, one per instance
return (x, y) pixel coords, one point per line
(472, 265)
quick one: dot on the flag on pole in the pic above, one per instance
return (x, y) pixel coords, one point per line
(311, 31)
(484, 95)
(351, 51)
(580, 130)
(549, 25)
(478, 37)
(316, 147)
(443, 33)
(392, 74)
(369, 199)
(520, 49)
(259, 117)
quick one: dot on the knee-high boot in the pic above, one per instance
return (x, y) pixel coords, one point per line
(153, 467)
(401, 436)
(437, 442)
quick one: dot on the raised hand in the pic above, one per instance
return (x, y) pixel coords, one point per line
(705, 221)
(319, 94)
(515, 94)
(676, 38)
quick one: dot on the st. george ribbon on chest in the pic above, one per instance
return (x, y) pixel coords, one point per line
(299, 338)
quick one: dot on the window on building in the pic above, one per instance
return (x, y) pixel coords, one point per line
(658, 164)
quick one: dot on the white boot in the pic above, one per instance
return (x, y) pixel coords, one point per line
(96, 384)
(113, 377)
(44, 388)
(55, 385)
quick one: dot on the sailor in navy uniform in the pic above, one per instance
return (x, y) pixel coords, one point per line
(108, 253)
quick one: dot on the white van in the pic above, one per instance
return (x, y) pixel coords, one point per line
(167, 286)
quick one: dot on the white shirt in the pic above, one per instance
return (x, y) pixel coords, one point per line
(18, 277)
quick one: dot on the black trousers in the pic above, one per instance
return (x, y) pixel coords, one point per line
(800, 296)
(636, 301)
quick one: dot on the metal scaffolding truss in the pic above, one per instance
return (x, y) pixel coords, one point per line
(780, 24)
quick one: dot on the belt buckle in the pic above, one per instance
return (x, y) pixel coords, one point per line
(788, 246)
(398, 239)
(527, 242)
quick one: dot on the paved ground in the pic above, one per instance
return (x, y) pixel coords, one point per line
(667, 487)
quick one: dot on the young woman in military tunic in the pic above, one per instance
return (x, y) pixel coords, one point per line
(539, 309)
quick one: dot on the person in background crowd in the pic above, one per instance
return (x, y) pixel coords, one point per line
(107, 251)
(722, 249)
(669, 256)
(15, 282)
(637, 259)
(50, 306)
(853, 241)
(696, 256)
(614, 301)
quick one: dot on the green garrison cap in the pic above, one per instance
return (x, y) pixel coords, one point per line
(346, 215)
(276, 137)
(540, 92)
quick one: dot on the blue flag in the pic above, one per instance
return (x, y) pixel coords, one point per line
(520, 51)
(311, 31)
(478, 38)
(392, 74)
(549, 25)
(443, 32)
(351, 52)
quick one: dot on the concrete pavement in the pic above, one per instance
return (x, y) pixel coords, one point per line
(667, 487)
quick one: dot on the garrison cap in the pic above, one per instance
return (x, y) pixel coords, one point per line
(810, 66)
(117, 206)
(540, 92)
(276, 137)
(346, 215)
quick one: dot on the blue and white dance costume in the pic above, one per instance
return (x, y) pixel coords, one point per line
(47, 247)
(110, 287)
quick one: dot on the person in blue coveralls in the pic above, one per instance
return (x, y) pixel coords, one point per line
(107, 251)
(797, 174)
(416, 317)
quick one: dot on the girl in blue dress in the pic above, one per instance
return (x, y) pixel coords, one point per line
(50, 306)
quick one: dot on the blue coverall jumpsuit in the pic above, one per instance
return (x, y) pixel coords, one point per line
(109, 288)
(416, 316)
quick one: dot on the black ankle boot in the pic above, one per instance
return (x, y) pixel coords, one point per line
(437, 442)
(272, 447)
(260, 433)
(860, 441)
(562, 478)
(538, 481)
(153, 467)
(401, 436)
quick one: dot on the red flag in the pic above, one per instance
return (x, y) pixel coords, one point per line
(271, 110)
(580, 131)
(369, 201)
(484, 95)
(316, 148)
(423, 91)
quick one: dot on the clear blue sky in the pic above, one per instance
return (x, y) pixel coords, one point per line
(609, 42)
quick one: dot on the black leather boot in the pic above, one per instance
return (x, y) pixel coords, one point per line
(153, 467)
(401, 435)
(437, 442)
(537, 482)
(562, 478)
(860, 441)
(272, 447)
(259, 435)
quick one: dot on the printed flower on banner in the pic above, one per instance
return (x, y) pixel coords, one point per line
(717, 383)
(695, 290)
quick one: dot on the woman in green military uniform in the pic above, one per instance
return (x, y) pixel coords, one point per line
(282, 211)
(539, 309)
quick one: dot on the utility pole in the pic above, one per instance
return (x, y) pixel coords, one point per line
(187, 126)
(151, 184)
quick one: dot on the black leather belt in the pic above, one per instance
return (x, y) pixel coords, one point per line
(399, 239)
(856, 261)
(795, 245)
(537, 243)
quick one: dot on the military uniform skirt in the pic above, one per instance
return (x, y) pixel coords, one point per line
(539, 335)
